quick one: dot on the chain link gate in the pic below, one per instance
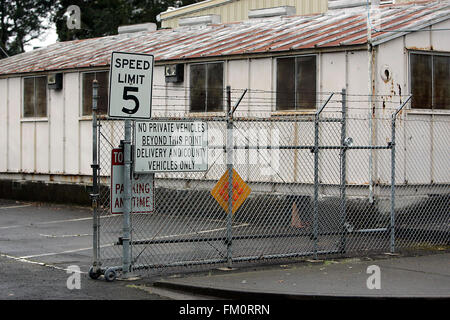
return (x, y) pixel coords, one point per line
(309, 194)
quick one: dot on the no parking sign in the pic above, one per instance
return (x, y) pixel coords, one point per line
(142, 196)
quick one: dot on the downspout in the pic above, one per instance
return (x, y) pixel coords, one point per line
(371, 62)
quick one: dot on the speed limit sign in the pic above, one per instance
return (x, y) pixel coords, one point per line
(130, 85)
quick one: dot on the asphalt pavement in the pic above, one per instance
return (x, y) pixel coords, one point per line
(32, 281)
(40, 243)
(425, 276)
(39, 246)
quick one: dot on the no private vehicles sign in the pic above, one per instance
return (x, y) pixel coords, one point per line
(131, 80)
(170, 146)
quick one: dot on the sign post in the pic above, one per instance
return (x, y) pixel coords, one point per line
(130, 97)
(127, 199)
(230, 176)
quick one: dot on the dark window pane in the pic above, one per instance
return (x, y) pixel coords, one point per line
(441, 89)
(28, 97)
(87, 93)
(306, 82)
(41, 96)
(286, 84)
(103, 84)
(421, 81)
(198, 87)
(215, 87)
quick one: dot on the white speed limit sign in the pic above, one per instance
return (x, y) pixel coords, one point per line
(130, 85)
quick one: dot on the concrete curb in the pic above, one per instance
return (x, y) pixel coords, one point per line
(234, 294)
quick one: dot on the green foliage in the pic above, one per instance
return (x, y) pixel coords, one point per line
(103, 17)
(22, 21)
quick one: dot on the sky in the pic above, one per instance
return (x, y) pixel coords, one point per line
(47, 38)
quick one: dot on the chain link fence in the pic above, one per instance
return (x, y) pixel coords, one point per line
(321, 185)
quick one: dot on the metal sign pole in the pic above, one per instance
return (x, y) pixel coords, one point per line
(392, 144)
(126, 259)
(316, 183)
(230, 175)
(343, 174)
(315, 150)
(94, 271)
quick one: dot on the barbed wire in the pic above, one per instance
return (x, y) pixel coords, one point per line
(251, 90)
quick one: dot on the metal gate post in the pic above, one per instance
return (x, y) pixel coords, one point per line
(316, 182)
(230, 176)
(316, 175)
(126, 259)
(95, 191)
(392, 226)
(392, 244)
(343, 173)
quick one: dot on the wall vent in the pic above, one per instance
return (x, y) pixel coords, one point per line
(200, 20)
(341, 4)
(272, 12)
(137, 28)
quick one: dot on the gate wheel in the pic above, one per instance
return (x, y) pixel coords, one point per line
(110, 275)
(94, 275)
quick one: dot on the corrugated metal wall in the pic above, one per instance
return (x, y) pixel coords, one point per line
(238, 10)
(233, 11)
(59, 144)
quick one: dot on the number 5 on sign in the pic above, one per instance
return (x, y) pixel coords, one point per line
(130, 81)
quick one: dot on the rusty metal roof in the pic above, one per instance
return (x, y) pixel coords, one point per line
(283, 34)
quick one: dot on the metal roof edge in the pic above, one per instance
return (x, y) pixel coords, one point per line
(48, 71)
(230, 57)
(419, 28)
(268, 54)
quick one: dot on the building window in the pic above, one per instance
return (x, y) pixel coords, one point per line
(430, 81)
(102, 103)
(296, 83)
(206, 82)
(35, 97)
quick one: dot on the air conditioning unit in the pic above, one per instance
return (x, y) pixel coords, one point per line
(174, 73)
(55, 81)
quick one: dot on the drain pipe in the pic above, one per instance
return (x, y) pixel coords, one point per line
(371, 62)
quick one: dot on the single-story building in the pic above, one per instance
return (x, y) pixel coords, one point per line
(289, 64)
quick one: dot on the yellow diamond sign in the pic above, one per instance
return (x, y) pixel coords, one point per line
(241, 190)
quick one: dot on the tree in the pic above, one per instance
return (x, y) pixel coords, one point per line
(98, 18)
(103, 17)
(22, 21)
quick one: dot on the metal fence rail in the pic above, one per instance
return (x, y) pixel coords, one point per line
(320, 185)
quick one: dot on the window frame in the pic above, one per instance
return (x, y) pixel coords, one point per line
(432, 54)
(34, 117)
(82, 73)
(296, 109)
(206, 84)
